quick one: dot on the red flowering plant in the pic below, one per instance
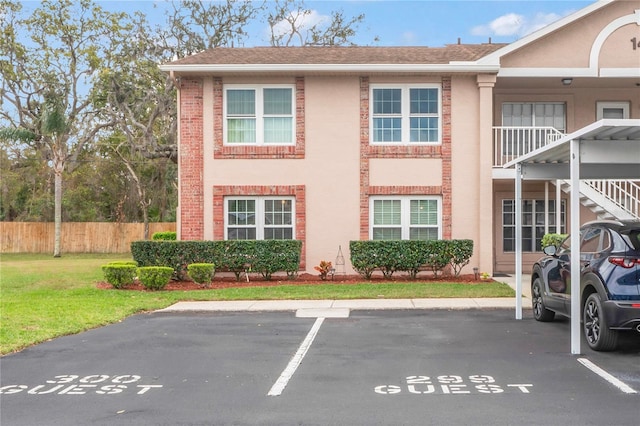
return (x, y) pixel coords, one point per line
(324, 268)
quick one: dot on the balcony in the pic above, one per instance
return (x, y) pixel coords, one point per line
(512, 142)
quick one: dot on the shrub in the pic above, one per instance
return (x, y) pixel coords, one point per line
(407, 255)
(459, 253)
(388, 254)
(155, 277)
(124, 262)
(412, 257)
(237, 256)
(119, 274)
(437, 256)
(177, 254)
(165, 236)
(202, 273)
(552, 240)
(271, 256)
(363, 257)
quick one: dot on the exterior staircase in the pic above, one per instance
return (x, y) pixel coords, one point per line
(609, 199)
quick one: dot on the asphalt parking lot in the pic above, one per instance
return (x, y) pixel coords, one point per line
(386, 367)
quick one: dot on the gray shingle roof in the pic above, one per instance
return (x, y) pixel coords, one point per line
(339, 55)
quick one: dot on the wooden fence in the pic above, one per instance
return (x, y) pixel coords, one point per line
(76, 237)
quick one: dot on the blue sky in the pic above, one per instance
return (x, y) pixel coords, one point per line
(425, 22)
(414, 22)
(436, 23)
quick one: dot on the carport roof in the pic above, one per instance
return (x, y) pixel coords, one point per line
(609, 149)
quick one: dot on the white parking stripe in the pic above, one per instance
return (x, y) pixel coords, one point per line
(281, 383)
(608, 377)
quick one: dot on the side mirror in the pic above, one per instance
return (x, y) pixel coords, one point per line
(550, 250)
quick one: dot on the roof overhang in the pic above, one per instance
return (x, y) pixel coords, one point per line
(609, 149)
(454, 67)
(571, 72)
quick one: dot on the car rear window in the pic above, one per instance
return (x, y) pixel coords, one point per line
(634, 238)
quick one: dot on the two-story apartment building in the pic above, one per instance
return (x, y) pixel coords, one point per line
(332, 144)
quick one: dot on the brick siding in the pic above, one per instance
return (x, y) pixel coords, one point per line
(368, 151)
(191, 160)
(222, 151)
(297, 191)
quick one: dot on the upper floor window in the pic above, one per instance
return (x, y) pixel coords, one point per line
(534, 114)
(612, 110)
(529, 126)
(259, 115)
(403, 114)
(259, 218)
(405, 218)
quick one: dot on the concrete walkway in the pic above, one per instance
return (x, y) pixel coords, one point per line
(341, 308)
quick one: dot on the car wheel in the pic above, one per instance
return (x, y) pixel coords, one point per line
(596, 331)
(540, 311)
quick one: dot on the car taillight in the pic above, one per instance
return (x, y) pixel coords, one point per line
(625, 262)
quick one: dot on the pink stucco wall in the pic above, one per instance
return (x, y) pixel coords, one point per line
(332, 169)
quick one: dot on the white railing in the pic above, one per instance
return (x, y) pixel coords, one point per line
(623, 193)
(512, 142)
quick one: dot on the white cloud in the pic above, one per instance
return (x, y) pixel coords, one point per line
(505, 25)
(513, 24)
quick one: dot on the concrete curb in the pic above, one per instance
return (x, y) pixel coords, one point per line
(356, 304)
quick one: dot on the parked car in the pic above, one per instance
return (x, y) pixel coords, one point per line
(609, 281)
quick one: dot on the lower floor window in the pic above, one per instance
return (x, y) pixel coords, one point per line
(259, 218)
(533, 223)
(405, 218)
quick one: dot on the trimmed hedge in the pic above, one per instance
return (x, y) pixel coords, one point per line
(155, 277)
(202, 273)
(410, 256)
(437, 256)
(265, 256)
(119, 273)
(165, 236)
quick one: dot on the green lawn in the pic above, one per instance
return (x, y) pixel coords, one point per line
(42, 297)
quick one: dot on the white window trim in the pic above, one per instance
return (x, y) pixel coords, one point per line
(259, 90)
(533, 225)
(260, 225)
(405, 212)
(601, 106)
(533, 117)
(405, 139)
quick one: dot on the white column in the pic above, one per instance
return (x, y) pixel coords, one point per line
(575, 246)
(518, 241)
(485, 249)
(546, 206)
(558, 207)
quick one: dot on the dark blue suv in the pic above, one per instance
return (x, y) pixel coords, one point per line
(609, 281)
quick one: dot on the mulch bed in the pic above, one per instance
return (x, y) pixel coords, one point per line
(220, 282)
